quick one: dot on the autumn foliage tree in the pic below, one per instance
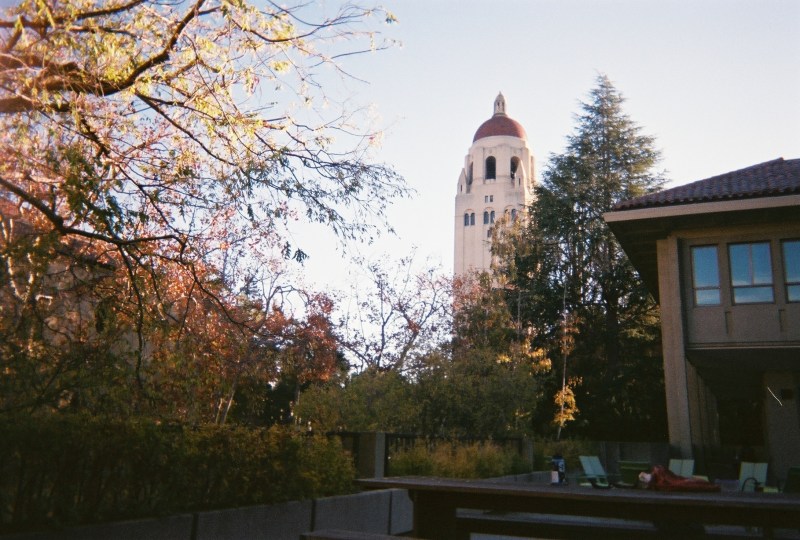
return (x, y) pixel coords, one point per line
(175, 143)
(57, 318)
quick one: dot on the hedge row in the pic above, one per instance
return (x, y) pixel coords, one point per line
(457, 460)
(67, 470)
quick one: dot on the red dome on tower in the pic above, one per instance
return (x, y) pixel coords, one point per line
(500, 124)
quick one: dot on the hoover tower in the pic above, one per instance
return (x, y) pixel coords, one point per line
(497, 180)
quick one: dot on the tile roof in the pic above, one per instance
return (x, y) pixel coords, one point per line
(768, 179)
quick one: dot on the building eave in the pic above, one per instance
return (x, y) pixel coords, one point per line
(738, 205)
(638, 230)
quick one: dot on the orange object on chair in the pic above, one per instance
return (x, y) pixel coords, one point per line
(662, 479)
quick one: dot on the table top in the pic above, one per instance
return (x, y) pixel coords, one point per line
(731, 507)
(570, 491)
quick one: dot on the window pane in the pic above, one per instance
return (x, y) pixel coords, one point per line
(706, 297)
(752, 295)
(791, 261)
(740, 265)
(762, 266)
(704, 264)
(750, 264)
(793, 293)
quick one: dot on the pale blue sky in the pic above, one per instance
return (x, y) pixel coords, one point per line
(716, 82)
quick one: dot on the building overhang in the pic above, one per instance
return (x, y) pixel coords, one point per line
(638, 230)
(736, 371)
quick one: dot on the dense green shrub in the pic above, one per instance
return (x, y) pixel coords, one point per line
(64, 470)
(414, 461)
(457, 460)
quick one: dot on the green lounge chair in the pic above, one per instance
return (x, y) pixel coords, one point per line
(682, 467)
(593, 472)
(595, 475)
(752, 475)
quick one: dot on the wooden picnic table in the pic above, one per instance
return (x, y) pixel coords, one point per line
(437, 500)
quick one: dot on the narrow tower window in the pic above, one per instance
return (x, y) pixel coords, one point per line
(491, 167)
(486, 218)
(466, 220)
(514, 167)
(491, 217)
(472, 218)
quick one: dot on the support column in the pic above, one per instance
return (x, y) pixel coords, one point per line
(371, 454)
(673, 346)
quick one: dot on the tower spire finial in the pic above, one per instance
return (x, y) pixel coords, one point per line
(500, 104)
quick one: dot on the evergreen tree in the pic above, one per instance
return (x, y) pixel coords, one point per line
(570, 279)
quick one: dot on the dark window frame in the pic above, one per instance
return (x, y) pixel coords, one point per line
(791, 277)
(698, 290)
(747, 282)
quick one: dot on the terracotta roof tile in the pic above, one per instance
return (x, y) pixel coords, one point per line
(768, 179)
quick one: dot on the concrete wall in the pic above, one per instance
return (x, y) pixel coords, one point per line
(383, 511)
(279, 521)
(168, 528)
